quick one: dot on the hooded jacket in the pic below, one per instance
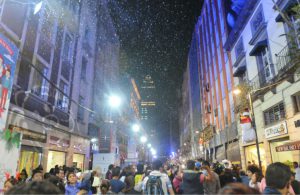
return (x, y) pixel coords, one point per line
(191, 183)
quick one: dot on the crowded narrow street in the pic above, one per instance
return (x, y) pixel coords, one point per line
(150, 97)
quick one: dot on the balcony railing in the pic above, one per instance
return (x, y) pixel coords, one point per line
(287, 58)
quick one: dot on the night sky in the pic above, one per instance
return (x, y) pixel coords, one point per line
(155, 37)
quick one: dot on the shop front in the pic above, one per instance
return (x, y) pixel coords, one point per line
(55, 158)
(252, 157)
(78, 161)
(233, 153)
(30, 158)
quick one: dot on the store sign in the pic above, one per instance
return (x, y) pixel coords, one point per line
(59, 142)
(288, 147)
(276, 130)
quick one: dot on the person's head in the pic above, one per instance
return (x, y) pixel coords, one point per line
(140, 168)
(110, 167)
(256, 177)
(178, 173)
(104, 186)
(237, 188)
(242, 173)
(71, 178)
(116, 172)
(296, 165)
(57, 182)
(60, 173)
(9, 183)
(47, 175)
(23, 174)
(37, 175)
(35, 187)
(278, 176)
(156, 165)
(251, 169)
(190, 165)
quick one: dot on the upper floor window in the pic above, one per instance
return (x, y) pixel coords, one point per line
(83, 68)
(239, 48)
(14, 15)
(274, 114)
(40, 85)
(296, 101)
(67, 57)
(257, 20)
(80, 113)
(62, 99)
(47, 35)
(267, 68)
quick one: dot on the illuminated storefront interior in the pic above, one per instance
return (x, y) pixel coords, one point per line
(251, 155)
(285, 157)
(55, 158)
(30, 159)
(78, 161)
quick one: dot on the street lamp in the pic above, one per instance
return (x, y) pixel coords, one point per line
(136, 128)
(114, 101)
(143, 139)
(149, 145)
(237, 92)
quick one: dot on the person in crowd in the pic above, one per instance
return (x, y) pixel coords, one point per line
(23, 176)
(60, 174)
(9, 183)
(193, 180)
(213, 185)
(237, 188)
(129, 180)
(251, 169)
(166, 184)
(73, 186)
(244, 178)
(52, 171)
(104, 188)
(295, 184)
(226, 177)
(177, 181)
(96, 180)
(57, 182)
(47, 175)
(138, 178)
(117, 186)
(278, 177)
(297, 171)
(37, 175)
(256, 180)
(35, 187)
(108, 174)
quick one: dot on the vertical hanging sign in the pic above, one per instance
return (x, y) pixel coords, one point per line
(9, 140)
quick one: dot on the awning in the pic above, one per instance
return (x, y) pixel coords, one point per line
(287, 10)
(240, 70)
(258, 47)
(288, 147)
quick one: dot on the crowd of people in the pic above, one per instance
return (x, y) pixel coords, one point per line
(196, 177)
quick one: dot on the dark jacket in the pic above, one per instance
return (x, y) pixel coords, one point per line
(270, 190)
(108, 175)
(191, 183)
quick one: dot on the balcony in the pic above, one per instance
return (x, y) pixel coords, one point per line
(287, 60)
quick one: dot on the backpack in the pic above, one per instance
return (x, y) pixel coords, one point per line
(154, 185)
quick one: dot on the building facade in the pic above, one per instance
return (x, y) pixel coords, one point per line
(51, 101)
(263, 54)
(212, 114)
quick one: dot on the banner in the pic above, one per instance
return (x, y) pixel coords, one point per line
(9, 140)
(248, 133)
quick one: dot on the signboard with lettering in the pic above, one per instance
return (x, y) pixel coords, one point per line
(288, 147)
(207, 133)
(276, 130)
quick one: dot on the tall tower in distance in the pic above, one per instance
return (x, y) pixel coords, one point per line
(148, 104)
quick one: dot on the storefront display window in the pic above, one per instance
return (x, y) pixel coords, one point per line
(55, 158)
(78, 161)
(285, 157)
(29, 160)
(251, 155)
